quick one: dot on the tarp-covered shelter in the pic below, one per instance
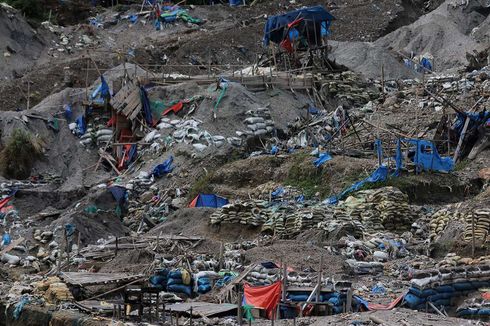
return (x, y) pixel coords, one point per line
(208, 200)
(423, 153)
(308, 23)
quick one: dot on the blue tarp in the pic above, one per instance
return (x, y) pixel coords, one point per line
(102, 90)
(425, 157)
(209, 200)
(475, 120)
(161, 169)
(380, 174)
(322, 158)
(276, 28)
(145, 102)
(81, 125)
(119, 194)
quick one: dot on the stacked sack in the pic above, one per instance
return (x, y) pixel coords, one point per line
(99, 135)
(300, 279)
(159, 279)
(342, 223)
(452, 260)
(253, 213)
(259, 122)
(393, 207)
(180, 281)
(440, 286)
(336, 299)
(357, 207)
(475, 307)
(440, 220)
(263, 276)
(203, 285)
(481, 219)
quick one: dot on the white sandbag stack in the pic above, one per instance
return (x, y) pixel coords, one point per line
(259, 122)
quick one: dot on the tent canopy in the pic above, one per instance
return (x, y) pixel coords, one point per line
(208, 200)
(314, 19)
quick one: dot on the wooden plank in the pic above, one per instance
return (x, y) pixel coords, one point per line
(12, 245)
(205, 309)
(236, 280)
(86, 279)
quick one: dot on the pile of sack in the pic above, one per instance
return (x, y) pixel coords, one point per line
(444, 284)
(259, 122)
(479, 306)
(98, 135)
(452, 260)
(481, 220)
(253, 213)
(377, 210)
(179, 281)
(440, 220)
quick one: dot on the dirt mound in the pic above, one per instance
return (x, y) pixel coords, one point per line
(130, 261)
(195, 222)
(447, 33)
(297, 255)
(20, 43)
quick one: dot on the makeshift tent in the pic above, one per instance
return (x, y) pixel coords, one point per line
(310, 23)
(265, 297)
(208, 200)
(424, 155)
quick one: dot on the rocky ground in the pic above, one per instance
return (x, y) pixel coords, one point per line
(254, 143)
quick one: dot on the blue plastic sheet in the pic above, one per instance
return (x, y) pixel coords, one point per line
(278, 192)
(426, 157)
(274, 150)
(322, 158)
(68, 112)
(69, 229)
(6, 239)
(81, 126)
(161, 169)
(145, 101)
(119, 194)
(380, 174)
(276, 25)
(19, 306)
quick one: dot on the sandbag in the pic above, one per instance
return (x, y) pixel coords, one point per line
(174, 281)
(422, 293)
(412, 300)
(180, 288)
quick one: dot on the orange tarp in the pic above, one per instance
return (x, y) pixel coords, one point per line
(265, 297)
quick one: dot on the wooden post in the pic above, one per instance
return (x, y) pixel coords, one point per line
(28, 94)
(78, 243)
(319, 281)
(239, 310)
(190, 320)
(383, 81)
(221, 253)
(117, 246)
(348, 305)
(473, 235)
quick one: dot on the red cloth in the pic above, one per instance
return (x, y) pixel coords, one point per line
(4, 201)
(486, 295)
(175, 108)
(265, 297)
(295, 23)
(287, 45)
(393, 304)
(112, 121)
